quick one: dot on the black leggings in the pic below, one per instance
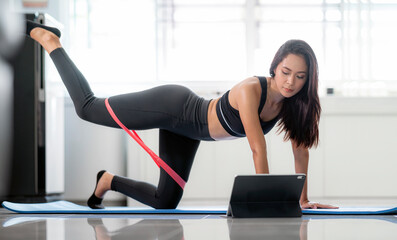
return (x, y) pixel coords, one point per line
(180, 115)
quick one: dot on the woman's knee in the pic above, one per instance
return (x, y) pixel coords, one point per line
(83, 113)
(169, 201)
(88, 110)
(167, 204)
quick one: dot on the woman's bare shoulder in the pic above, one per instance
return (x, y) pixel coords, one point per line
(249, 87)
(248, 84)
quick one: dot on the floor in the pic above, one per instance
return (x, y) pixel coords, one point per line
(101, 227)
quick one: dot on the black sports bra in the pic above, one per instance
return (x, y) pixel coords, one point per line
(230, 117)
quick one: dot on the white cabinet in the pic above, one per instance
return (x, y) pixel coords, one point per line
(361, 149)
(361, 155)
(90, 148)
(356, 156)
(357, 152)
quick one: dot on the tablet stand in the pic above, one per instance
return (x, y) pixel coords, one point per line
(264, 209)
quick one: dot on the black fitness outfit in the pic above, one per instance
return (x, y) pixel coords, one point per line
(179, 113)
(230, 119)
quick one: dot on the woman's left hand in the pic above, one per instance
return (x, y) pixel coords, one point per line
(315, 205)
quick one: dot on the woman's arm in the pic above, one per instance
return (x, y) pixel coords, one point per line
(247, 99)
(301, 155)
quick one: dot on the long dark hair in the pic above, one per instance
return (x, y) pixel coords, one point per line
(300, 114)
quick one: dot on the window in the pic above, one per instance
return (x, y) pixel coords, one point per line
(114, 41)
(201, 40)
(229, 40)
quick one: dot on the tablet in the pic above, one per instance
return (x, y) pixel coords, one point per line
(266, 195)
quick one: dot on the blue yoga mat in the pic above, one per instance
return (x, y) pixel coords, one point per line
(65, 207)
(352, 211)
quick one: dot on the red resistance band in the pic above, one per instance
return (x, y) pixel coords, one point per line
(157, 159)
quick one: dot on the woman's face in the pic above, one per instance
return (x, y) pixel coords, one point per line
(291, 75)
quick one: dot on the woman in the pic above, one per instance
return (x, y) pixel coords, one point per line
(251, 109)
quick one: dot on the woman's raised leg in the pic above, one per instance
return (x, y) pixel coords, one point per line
(87, 106)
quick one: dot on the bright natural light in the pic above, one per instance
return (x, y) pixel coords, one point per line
(125, 41)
